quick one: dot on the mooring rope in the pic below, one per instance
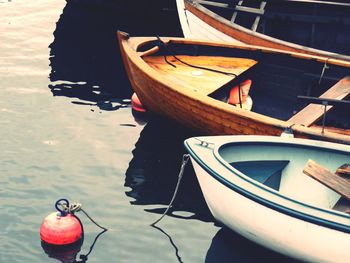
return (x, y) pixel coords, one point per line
(73, 208)
(185, 159)
(163, 45)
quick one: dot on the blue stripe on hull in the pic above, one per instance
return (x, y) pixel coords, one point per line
(267, 203)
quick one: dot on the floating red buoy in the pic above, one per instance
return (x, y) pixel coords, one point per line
(136, 104)
(60, 230)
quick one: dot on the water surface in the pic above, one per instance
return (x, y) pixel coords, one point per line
(66, 132)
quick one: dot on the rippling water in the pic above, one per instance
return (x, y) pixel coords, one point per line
(66, 133)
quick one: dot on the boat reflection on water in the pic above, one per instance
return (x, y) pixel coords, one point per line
(140, 117)
(153, 172)
(227, 246)
(84, 56)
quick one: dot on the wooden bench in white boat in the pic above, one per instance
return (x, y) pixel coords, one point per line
(338, 182)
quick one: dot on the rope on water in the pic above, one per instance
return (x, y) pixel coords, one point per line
(93, 221)
(185, 159)
(72, 208)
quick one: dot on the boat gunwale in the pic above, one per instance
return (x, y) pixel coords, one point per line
(288, 203)
(204, 14)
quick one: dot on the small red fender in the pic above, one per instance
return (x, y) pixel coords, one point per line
(136, 104)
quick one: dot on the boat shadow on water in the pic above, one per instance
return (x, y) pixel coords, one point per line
(153, 172)
(228, 246)
(151, 179)
(84, 55)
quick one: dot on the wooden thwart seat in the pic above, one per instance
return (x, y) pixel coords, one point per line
(327, 178)
(314, 112)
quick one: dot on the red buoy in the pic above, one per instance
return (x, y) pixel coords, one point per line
(136, 104)
(59, 229)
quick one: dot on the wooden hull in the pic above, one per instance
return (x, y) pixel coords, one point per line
(198, 111)
(199, 22)
(249, 208)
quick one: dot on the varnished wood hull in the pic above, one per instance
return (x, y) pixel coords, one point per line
(198, 111)
(197, 16)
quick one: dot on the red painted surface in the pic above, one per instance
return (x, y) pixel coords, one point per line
(60, 230)
(234, 93)
(136, 104)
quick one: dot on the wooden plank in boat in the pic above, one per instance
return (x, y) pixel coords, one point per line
(327, 178)
(344, 171)
(314, 112)
(203, 81)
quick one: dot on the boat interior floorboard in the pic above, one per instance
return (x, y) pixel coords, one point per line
(200, 72)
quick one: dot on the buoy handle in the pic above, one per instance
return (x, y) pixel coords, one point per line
(65, 204)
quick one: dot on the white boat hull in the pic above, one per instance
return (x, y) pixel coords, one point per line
(195, 28)
(284, 234)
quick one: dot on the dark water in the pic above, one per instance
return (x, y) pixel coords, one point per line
(66, 133)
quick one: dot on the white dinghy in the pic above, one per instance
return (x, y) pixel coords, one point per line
(262, 188)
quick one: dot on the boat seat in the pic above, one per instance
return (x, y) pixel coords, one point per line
(324, 176)
(266, 172)
(314, 112)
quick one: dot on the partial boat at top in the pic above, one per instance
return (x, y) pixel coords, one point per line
(306, 26)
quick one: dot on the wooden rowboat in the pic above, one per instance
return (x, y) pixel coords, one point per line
(311, 27)
(189, 81)
(258, 186)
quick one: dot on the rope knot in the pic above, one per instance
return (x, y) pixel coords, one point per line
(63, 206)
(74, 207)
